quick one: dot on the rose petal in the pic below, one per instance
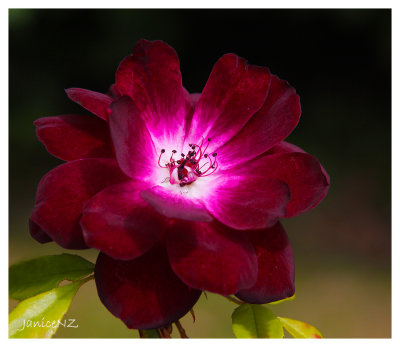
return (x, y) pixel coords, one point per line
(95, 102)
(302, 173)
(211, 256)
(144, 293)
(275, 279)
(233, 93)
(247, 201)
(38, 233)
(151, 77)
(271, 124)
(118, 222)
(173, 205)
(69, 137)
(63, 191)
(286, 147)
(133, 145)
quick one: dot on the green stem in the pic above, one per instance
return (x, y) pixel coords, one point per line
(149, 333)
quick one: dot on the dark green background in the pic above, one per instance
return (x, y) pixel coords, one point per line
(340, 63)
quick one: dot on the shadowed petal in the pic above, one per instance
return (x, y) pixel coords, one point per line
(63, 191)
(71, 136)
(247, 201)
(173, 205)
(38, 233)
(95, 102)
(234, 92)
(144, 293)
(211, 256)
(275, 279)
(286, 147)
(118, 222)
(271, 124)
(151, 77)
(133, 145)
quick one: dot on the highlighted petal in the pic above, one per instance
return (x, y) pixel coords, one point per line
(134, 147)
(247, 201)
(71, 136)
(151, 77)
(95, 102)
(212, 257)
(307, 181)
(234, 92)
(173, 205)
(62, 193)
(144, 293)
(271, 124)
(118, 222)
(275, 279)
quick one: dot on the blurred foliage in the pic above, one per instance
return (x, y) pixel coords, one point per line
(340, 63)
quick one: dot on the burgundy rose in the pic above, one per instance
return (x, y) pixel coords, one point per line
(180, 192)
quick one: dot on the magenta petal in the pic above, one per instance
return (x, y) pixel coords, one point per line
(118, 222)
(271, 124)
(63, 191)
(144, 293)
(133, 145)
(247, 201)
(95, 102)
(275, 279)
(286, 147)
(302, 172)
(234, 92)
(212, 257)
(71, 136)
(151, 77)
(173, 205)
(38, 233)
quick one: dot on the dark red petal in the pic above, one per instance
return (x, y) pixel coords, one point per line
(151, 77)
(173, 205)
(234, 92)
(113, 91)
(286, 147)
(38, 233)
(247, 201)
(133, 145)
(73, 136)
(211, 256)
(118, 222)
(271, 124)
(95, 102)
(275, 279)
(62, 192)
(144, 293)
(302, 172)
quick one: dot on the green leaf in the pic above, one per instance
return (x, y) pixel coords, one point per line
(35, 276)
(255, 321)
(300, 329)
(283, 300)
(41, 315)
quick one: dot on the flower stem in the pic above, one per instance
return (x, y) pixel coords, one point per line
(232, 299)
(149, 333)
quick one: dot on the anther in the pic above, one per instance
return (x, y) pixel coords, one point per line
(214, 154)
(182, 155)
(173, 151)
(205, 155)
(163, 150)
